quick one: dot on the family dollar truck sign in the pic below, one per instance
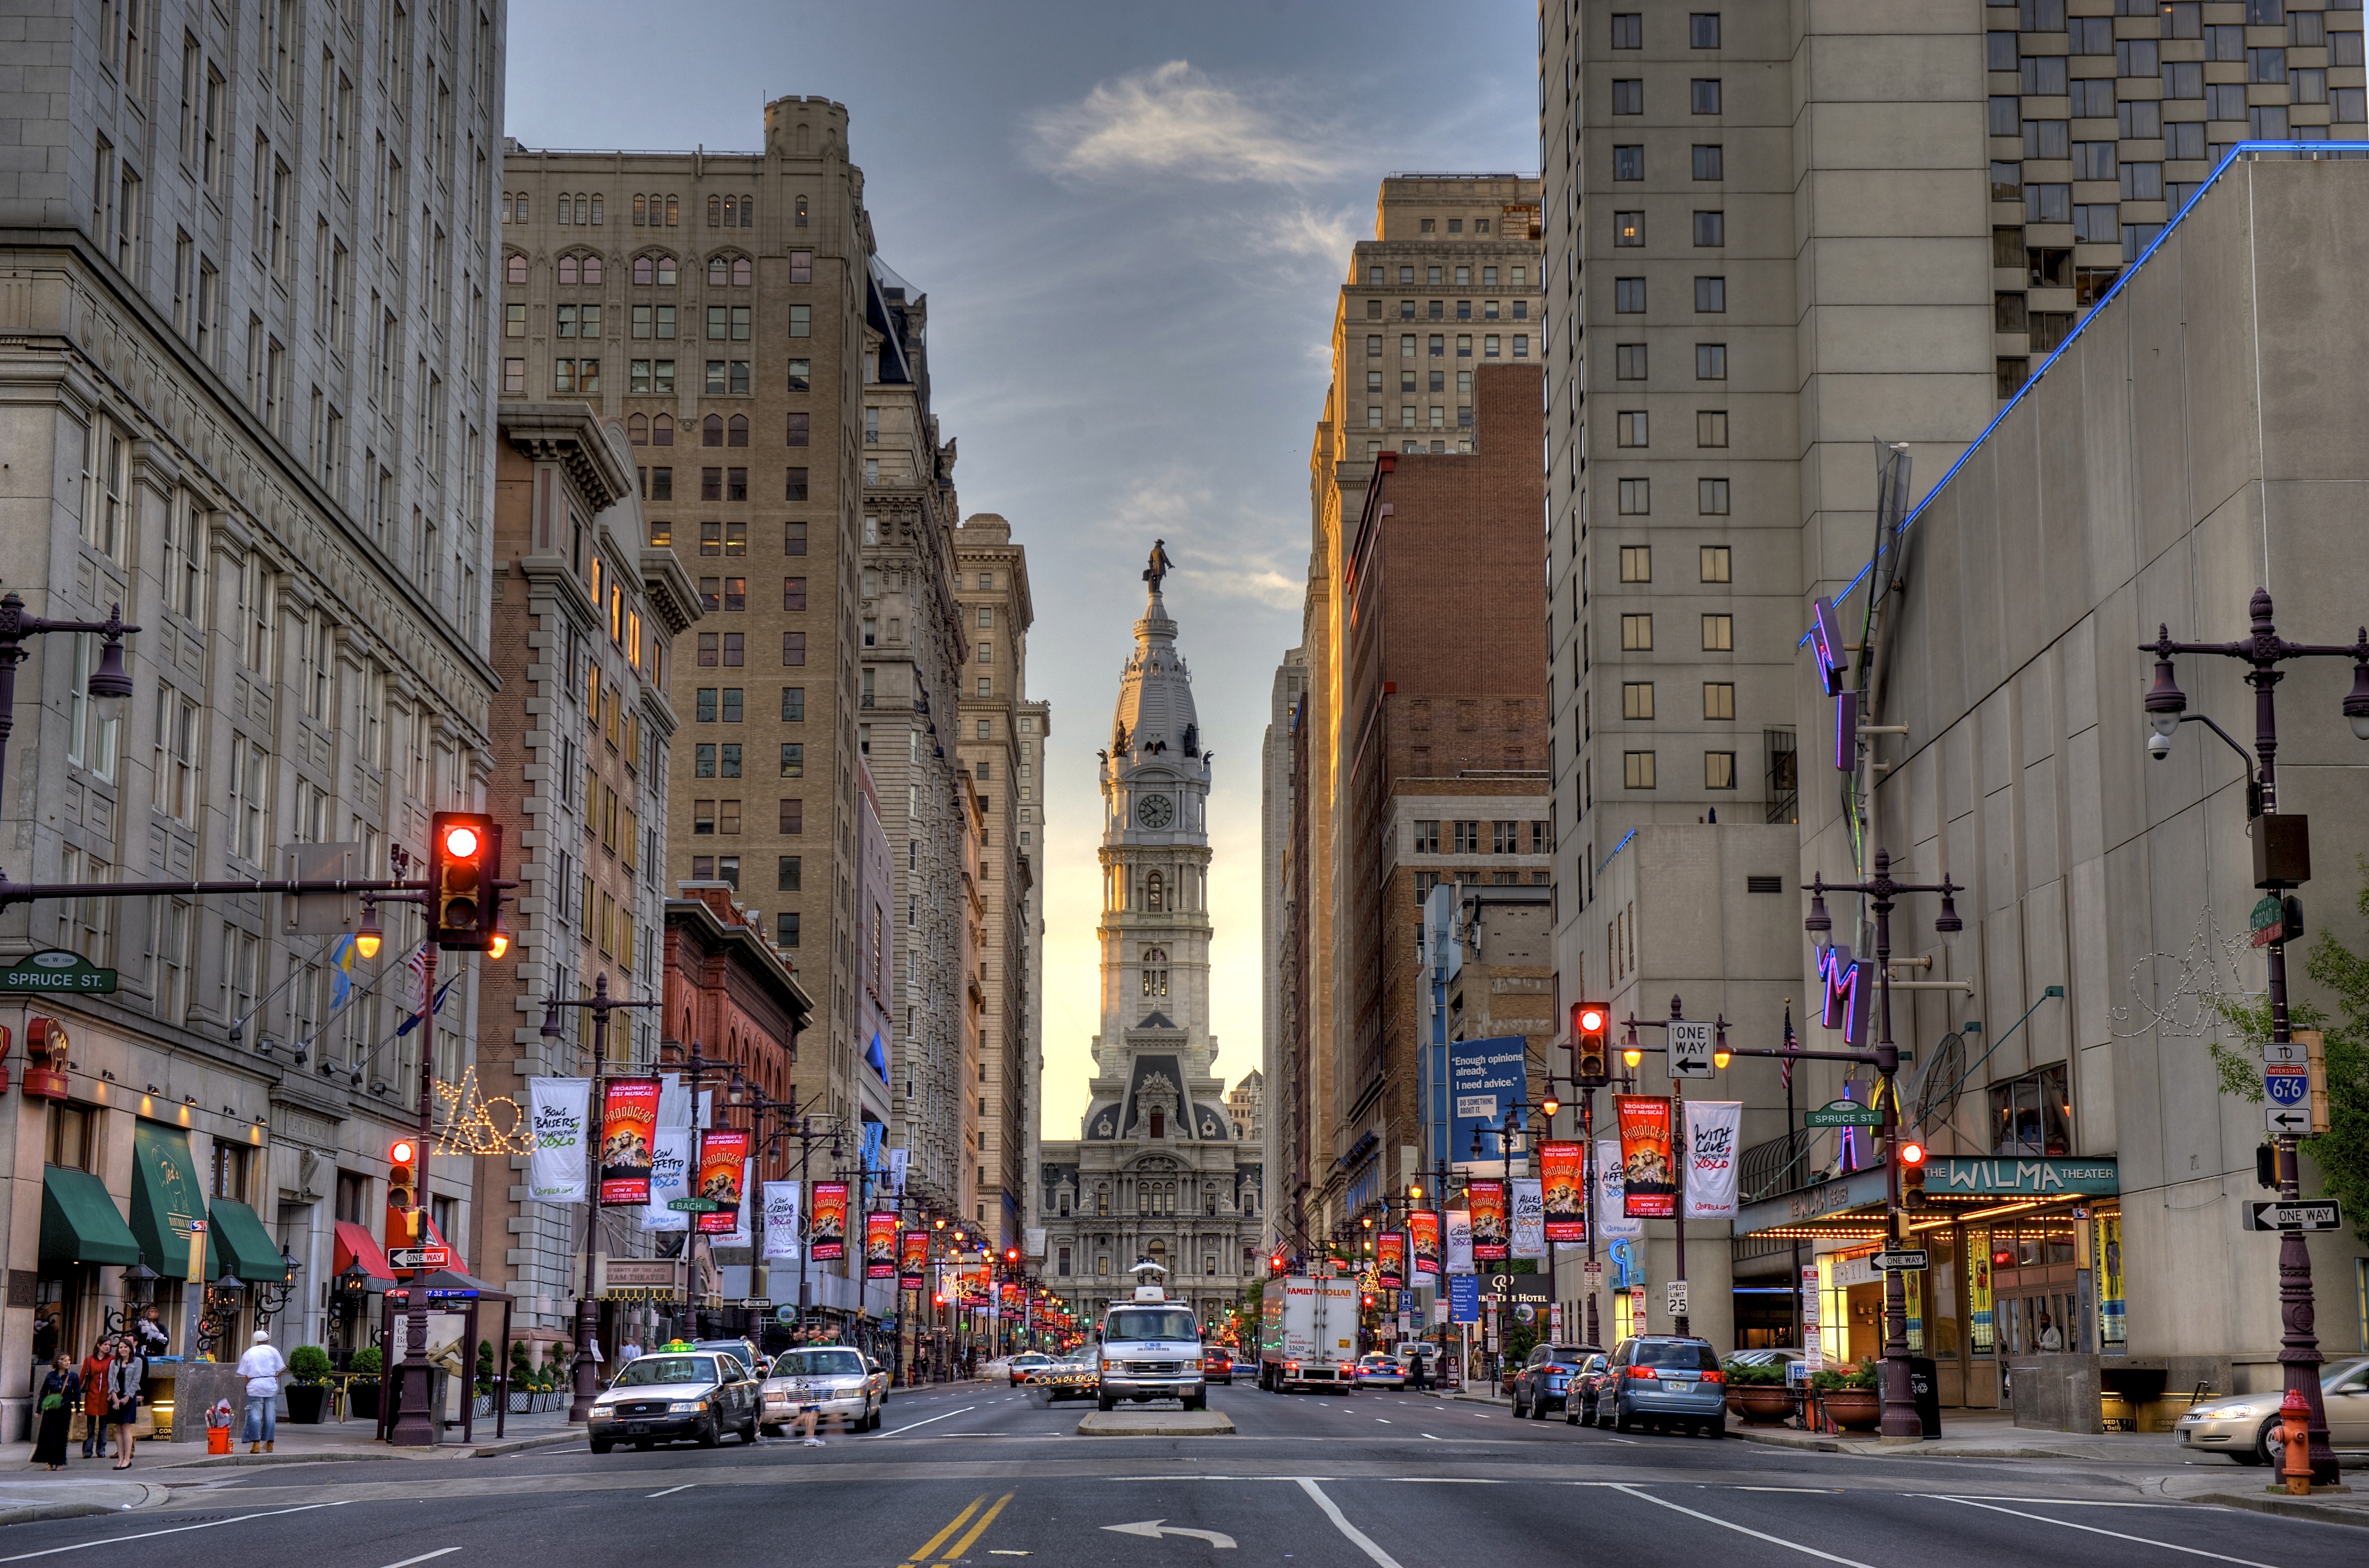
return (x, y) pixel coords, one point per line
(1486, 1078)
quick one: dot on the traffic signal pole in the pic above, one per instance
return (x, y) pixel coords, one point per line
(415, 1425)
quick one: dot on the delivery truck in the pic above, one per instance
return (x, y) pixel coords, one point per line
(1308, 1335)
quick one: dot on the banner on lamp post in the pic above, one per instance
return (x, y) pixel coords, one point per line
(781, 1220)
(629, 1117)
(556, 1170)
(913, 1260)
(1422, 1240)
(1389, 1260)
(1649, 1179)
(723, 1160)
(1562, 1174)
(880, 1246)
(671, 1178)
(1714, 1127)
(1528, 1218)
(1613, 1221)
(1460, 1241)
(1484, 1200)
(827, 1235)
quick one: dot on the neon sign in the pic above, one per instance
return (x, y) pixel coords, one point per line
(1845, 996)
(1845, 732)
(1827, 642)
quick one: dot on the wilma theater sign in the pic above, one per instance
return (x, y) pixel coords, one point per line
(1956, 1176)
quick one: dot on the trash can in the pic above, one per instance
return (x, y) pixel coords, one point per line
(1925, 1388)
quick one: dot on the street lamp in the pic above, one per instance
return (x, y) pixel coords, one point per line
(2282, 860)
(109, 687)
(1900, 1420)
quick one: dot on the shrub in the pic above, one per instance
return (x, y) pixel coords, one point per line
(1744, 1376)
(1859, 1377)
(308, 1364)
(367, 1362)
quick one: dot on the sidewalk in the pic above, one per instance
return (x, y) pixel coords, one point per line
(328, 1442)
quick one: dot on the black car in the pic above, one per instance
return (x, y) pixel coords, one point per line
(1582, 1388)
(1543, 1383)
(659, 1398)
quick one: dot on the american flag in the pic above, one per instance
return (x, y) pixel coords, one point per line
(1785, 1068)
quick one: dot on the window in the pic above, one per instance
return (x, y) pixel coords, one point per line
(1637, 770)
(1719, 633)
(1627, 29)
(1636, 634)
(2051, 268)
(1426, 836)
(793, 488)
(1628, 296)
(1719, 769)
(1711, 295)
(1712, 498)
(794, 539)
(1636, 498)
(1627, 96)
(1629, 361)
(794, 647)
(1637, 700)
(1711, 361)
(2093, 98)
(2044, 75)
(1636, 563)
(793, 760)
(2183, 78)
(1702, 29)
(1467, 837)
(2094, 224)
(1704, 94)
(1631, 428)
(1627, 163)
(2012, 375)
(2093, 160)
(2032, 1115)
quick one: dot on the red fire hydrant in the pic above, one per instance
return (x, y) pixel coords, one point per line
(2295, 1430)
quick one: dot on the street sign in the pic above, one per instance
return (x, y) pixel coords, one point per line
(56, 970)
(692, 1205)
(1689, 1048)
(1844, 1113)
(2287, 1084)
(1593, 1268)
(1676, 1303)
(2287, 1120)
(2278, 1053)
(418, 1257)
(2295, 1214)
(1910, 1258)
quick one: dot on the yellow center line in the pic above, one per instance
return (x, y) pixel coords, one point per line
(959, 1519)
(956, 1551)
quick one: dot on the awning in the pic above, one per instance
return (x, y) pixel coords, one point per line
(356, 1245)
(165, 1200)
(80, 1223)
(240, 1237)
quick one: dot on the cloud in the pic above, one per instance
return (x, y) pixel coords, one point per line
(1324, 238)
(1175, 119)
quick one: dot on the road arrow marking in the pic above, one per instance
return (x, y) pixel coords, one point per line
(1151, 1530)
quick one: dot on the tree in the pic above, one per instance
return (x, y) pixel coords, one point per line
(2342, 1152)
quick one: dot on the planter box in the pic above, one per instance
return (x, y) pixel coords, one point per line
(1762, 1404)
(362, 1398)
(1854, 1410)
(306, 1401)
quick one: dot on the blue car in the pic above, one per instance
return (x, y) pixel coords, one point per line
(1666, 1382)
(1544, 1382)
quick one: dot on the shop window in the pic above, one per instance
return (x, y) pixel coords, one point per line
(73, 1136)
(229, 1176)
(2032, 1115)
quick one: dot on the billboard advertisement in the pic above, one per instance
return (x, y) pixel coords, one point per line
(880, 1246)
(1422, 1241)
(723, 1160)
(913, 1260)
(1389, 1260)
(1485, 1078)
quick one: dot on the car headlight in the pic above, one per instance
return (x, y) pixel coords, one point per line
(686, 1407)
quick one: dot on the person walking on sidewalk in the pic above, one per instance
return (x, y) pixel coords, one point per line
(53, 1403)
(126, 1376)
(261, 1366)
(94, 1400)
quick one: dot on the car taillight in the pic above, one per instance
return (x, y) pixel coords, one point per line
(1714, 1376)
(1647, 1373)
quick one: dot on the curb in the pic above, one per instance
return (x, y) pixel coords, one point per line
(2292, 1507)
(220, 1461)
(486, 1450)
(25, 1514)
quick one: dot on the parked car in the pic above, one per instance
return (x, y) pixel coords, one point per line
(1584, 1389)
(1024, 1366)
(1217, 1365)
(1075, 1375)
(2245, 1426)
(660, 1398)
(1542, 1382)
(844, 1388)
(1773, 1356)
(1665, 1381)
(744, 1351)
(1380, 1369)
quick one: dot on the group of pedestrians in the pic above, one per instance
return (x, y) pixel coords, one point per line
(106, 1389)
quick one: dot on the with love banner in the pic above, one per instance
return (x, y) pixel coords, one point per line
(1715, 1132)
(556, 1171)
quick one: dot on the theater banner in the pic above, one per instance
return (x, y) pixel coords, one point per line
(1491, 1233)
(880, 1246)
(826, 1232)
(629, 1122)
(1422, 1237)
(1563, 1171)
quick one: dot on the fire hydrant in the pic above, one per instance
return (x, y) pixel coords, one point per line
(2295, 1431)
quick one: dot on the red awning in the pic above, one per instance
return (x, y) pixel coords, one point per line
(355, 1244)
(457, 1264)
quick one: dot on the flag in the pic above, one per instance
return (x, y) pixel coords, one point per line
(1785, 1068)
(411, 1021)
(341, 971)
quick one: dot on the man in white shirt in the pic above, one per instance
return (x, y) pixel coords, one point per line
(261, 1366)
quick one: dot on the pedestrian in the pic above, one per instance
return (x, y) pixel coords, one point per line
(153, 1339)
(94, 1400)
(1422, 1377)
(54, 1403)
(631, 1348)
(126, 1376)
(2049, 1338)
(261, 1366)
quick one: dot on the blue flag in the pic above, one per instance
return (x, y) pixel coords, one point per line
(341, 971)
(411, 1022)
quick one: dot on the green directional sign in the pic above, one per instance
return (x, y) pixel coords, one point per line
(693, 1204)
(56, 970)
(1844, 1113)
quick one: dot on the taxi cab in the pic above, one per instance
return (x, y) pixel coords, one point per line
(677, 1393)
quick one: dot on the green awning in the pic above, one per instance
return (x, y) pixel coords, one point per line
(166, 1198)
(240, 1237)
(80, 1223)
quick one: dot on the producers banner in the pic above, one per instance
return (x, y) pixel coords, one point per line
(670, 1174)
(723, 1156)
(1530, 1218)
(880, 1246)
(1562, 1174)
(828, 1234)
(781, 1220)
(913, 1260)
(629, 1121)
(555, 1168)
(1389, 1260)
(1460, 1241)
(1422, 1240)
(1485, 1199)
(1649, 1184)
(1613, 1221)
(1714, 1129)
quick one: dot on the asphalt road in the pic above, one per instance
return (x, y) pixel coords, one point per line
(986, 1477)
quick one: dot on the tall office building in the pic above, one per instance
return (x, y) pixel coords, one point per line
(1278, 953)
(1448, 283)
(1035, 718)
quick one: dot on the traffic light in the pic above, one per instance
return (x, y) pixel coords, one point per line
(1912, 1174)
(1275, 1264)
(1588, 1022)
(464, 861)
(403, 1184)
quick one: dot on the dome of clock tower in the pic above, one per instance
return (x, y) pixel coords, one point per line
(1155, 716)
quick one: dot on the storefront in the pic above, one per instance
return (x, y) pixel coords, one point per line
(82, 1232)
(2022, 1256)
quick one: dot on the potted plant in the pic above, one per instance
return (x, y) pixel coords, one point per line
(1850, 1397)
(367, 1366)
(1759, 1394)
(308, 1365)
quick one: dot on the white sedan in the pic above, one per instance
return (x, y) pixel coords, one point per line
(832, 1379)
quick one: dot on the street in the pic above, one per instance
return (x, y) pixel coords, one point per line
(971, 1473)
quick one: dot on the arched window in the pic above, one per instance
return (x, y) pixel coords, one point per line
(748, 212)
(739, 431)
(800, 221)
(592, 263)
(645, 269)
(741, 270)
(1155, 971)
(596, 211)
(568, 269)
(666, 272)
(731, 211)
(715, 211)
(1155, 892)
(637, 430)
(564, 209)
(641, 210)
(674, 212)
(514, 270)
(662, 430)
(719, 272)
(1101, 1192)
(711, 431)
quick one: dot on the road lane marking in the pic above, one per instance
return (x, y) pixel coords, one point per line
(2092, 1529)
(959, 1520)
(1383, 1419)
(1340, 1522)
(958, 1548)
(667, 1493)
(947, 1417)
(424, 1557)
(1433, 1439)
(1740, 1529)
(1628, 1442)
(1818, 1489)
(176, 1529)
(1154, 1529)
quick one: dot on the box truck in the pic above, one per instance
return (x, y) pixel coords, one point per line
(1308, 1335)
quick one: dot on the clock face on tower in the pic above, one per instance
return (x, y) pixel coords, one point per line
(1155, 811)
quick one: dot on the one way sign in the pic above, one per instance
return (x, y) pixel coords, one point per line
(2295, 1214)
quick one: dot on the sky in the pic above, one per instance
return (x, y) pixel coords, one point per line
(1132, 222)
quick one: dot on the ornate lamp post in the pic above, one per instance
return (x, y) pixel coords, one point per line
(109, 685)
(2282, 860)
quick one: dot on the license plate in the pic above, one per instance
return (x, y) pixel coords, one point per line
(633, 1427)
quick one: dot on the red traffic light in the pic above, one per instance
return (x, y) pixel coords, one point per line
(464, 862)
(1912, 1153)
(1592, 1061)
(1011, 1254)
(1591, 1018)
(402, 1151)
(461, 841)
